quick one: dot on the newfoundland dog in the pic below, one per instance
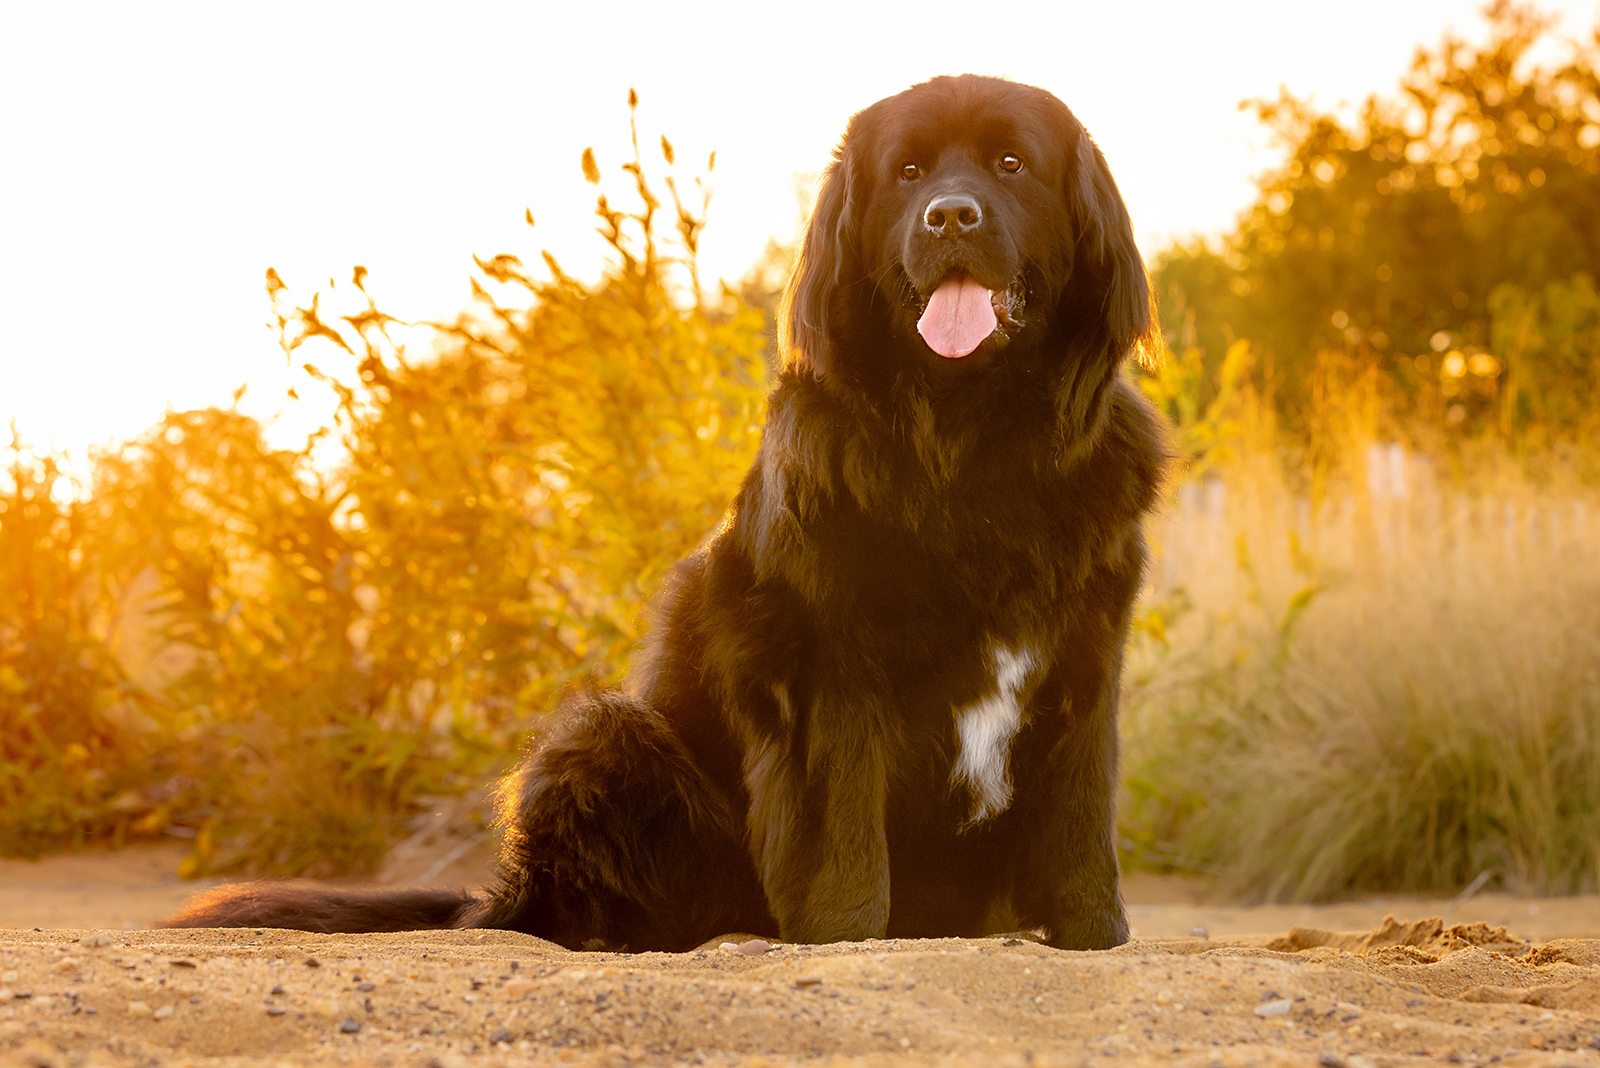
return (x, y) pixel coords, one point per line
(881, 700)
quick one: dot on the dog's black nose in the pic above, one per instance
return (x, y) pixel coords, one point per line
(952, 215)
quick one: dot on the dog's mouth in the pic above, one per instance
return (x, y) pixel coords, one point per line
(961, 314)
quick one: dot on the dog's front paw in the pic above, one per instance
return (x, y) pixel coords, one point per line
(1098, 929)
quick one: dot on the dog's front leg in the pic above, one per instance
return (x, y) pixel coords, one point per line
(1069, 880)
(817, 827)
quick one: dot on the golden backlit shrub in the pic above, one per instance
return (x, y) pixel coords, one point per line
(77, 738)
(344, 637)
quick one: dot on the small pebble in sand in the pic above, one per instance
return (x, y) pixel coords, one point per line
(276, 991)
(276, 1010)
(729, 947)
(326, 1007)
(312, 962)
(754, 948)
(349, 1026)
(517, 988)
(95, 941)
(163, 1012)
(5, 996)
(1274, 1008)
(8, 977)
(66, 964)
(43, 1003)
(138, 1008)
(502, 1035)
(1199, 932)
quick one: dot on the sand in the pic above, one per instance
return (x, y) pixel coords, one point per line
(1394, 993)
(459, 998)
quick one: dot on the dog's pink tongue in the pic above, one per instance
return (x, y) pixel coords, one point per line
(958, 318)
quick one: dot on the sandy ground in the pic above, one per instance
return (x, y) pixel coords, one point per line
(83, 990)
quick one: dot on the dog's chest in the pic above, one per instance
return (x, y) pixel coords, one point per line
(986, 728)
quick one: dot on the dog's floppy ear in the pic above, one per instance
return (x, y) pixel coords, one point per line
(1106, 306)
(1106, 248)
(828, 262)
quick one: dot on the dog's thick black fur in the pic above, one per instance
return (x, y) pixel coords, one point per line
(881, 700)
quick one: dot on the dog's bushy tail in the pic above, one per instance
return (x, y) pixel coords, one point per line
(306, 906)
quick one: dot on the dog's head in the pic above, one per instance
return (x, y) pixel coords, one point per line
(964, 223)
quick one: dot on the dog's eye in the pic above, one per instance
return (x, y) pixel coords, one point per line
(1010, 164)
(910, 172)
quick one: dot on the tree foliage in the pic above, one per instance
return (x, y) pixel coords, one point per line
(1447, 239)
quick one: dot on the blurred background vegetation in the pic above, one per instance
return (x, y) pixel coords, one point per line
(1370, 658)
(281, 657)
(1369, 653)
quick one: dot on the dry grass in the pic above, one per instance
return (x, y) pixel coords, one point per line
(1386, 692)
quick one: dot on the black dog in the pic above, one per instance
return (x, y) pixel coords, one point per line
(882, 699)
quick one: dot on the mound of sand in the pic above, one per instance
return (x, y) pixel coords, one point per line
(1399, 994)
(1423, 941)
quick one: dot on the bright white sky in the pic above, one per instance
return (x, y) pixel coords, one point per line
(156, 158)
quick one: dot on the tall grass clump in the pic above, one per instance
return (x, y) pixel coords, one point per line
(1386, 678)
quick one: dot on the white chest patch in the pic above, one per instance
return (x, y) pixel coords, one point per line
(986, 728)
